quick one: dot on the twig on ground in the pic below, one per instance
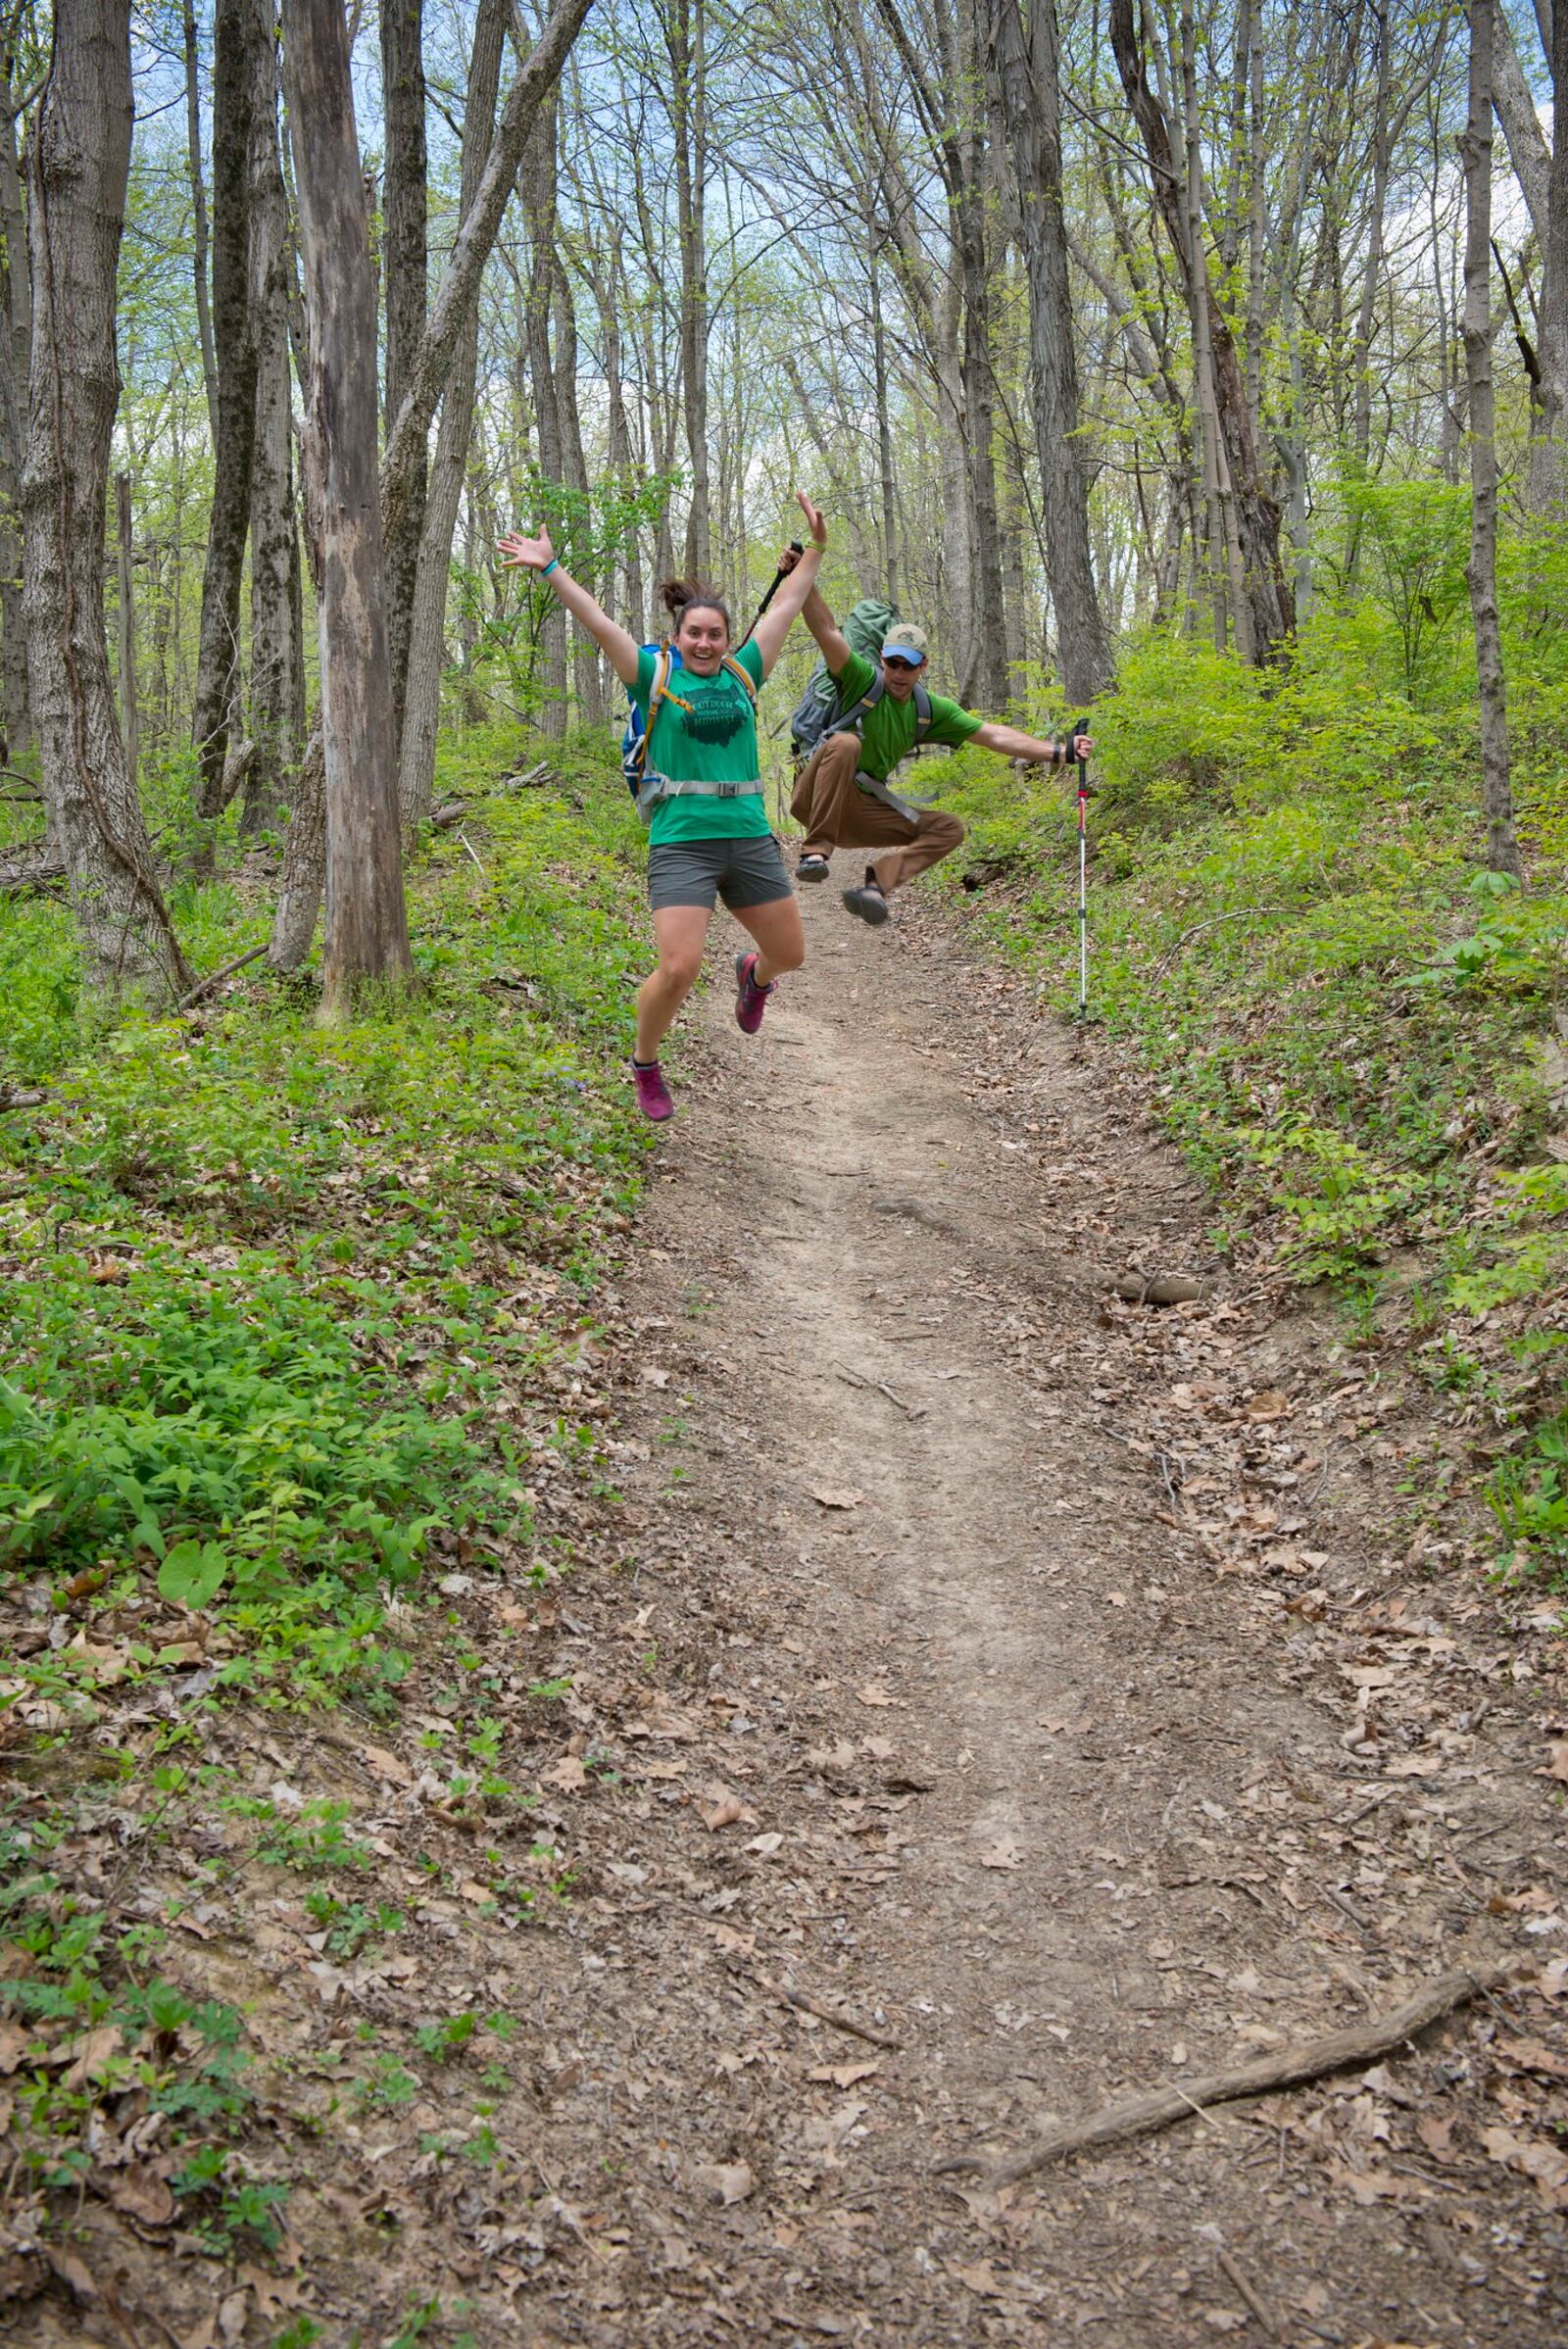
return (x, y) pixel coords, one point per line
(469, 845)
(1309, 2059)
(823, 2013)
(1254, 2299)
(206, 986)
(1171, 952)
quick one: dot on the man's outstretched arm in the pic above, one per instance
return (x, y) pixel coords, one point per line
(1011, 743)
(832, 643)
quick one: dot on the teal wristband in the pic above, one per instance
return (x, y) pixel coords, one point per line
(553, 565)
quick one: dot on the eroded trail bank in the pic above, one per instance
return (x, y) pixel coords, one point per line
(991, 1698)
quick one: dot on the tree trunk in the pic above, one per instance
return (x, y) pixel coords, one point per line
(367, 935)
(685, 31)
(1548, 455)
(1521, 124)
(588, 677)
(1496, 797)
(1256, 516)
(130, 724)
(15, 336)
(456, 290)
(79, 161)
(406, 267)
(278, 651)
(422, 708)
(236, 25)
(198, 206)
(1028, 73)
(536, 191)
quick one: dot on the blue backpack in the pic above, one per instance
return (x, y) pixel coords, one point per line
(634, 742)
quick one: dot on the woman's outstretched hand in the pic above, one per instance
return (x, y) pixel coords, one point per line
(814, 518)
(518, 551)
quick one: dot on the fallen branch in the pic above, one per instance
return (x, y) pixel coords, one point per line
(1170, 953)
(1309, 2059)
(206, 986)
(808, 2005)
(1159, 1288)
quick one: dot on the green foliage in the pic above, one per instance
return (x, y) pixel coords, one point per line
(1350, 1027)
(258, 1308)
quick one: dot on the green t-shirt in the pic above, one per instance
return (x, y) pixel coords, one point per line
(888, 735)
(714, 742)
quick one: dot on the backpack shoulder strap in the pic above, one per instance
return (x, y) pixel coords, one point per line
(922, 713)
(741, 674)
(859, 710)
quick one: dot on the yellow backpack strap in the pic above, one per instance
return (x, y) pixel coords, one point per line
(743, 676)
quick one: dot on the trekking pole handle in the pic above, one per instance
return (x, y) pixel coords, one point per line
(774, 584)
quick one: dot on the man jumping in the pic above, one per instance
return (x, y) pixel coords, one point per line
(841, 796)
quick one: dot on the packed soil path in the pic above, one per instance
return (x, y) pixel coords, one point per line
(1025, 1770)
(977, 1697)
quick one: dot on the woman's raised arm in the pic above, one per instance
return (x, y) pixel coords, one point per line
(521, 553)
(785, 609)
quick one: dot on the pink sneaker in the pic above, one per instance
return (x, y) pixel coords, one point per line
(653, 1094)
(751, 1001)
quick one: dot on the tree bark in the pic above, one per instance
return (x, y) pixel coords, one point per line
(124, 550)
(198, 206)
(685, 31)
(426, 634)
(1521, 124)
(236, 25)
(1496, 797)
(366, 936)
(1257, 517)
(405, 269)
(1028, 71)
(15, 336)
(1548, 455)
(79, 161)
(277, 650)
(536, 192)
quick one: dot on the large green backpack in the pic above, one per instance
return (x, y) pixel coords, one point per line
(864, 627)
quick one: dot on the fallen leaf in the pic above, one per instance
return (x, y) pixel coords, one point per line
(141, 2192)
(1533, 2055)
(1268, 1403)
(844, 2075)
(90, 2053)
(1115, 1599)
(471, 1890)
(568, 1773)
(833, 1499)
(1003, 1853)
(727, 2181)
(1557, 1760)
(880, 1749)
(1223, 2320)
(1436, 2131)
(766, 1845)
(873, 1696)
(728, 1939)
(386, 1765)
(1546, 2162)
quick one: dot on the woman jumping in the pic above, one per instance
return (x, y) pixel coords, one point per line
(708, 836)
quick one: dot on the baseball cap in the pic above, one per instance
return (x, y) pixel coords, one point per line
(904, 642)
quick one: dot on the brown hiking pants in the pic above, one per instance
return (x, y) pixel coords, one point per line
(837, 814)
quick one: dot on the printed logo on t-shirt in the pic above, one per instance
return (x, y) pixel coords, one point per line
(718, 715)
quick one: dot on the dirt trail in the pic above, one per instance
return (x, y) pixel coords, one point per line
(1086, 1811)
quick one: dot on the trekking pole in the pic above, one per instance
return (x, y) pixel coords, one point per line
(1082, 727)
(774, 584)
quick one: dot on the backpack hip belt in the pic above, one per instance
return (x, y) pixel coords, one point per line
(655, 787)
(876, 789)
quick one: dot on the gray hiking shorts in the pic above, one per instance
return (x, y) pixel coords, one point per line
(693, 873)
